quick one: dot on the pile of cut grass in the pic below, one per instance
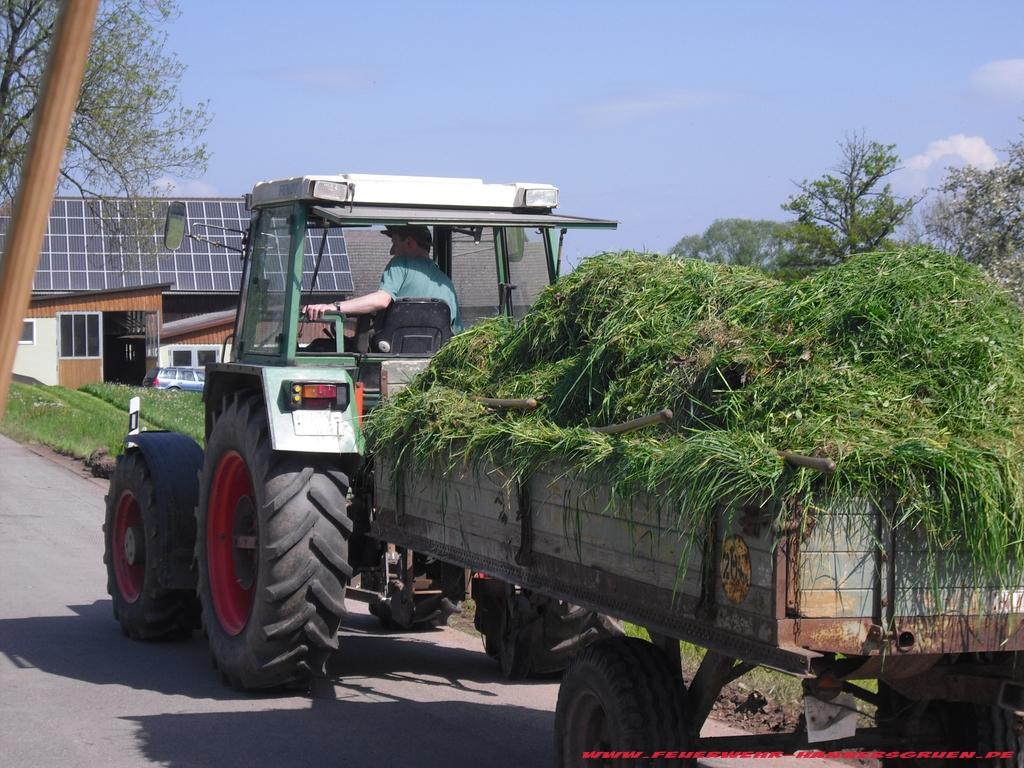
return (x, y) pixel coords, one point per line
(906, 368)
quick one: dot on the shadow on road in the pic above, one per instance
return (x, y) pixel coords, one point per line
(437, 734)
(89, 646)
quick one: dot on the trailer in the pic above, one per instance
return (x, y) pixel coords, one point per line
(831, 601)
(259, 535)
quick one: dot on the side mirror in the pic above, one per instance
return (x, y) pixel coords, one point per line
(174, 226)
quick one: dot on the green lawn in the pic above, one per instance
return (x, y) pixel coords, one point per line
(77, 422)
(161, 408)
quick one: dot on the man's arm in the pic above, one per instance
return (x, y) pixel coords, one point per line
(360, 305)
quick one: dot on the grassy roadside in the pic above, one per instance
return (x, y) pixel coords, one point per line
(162, 409)
(77, 422)
(70, 422)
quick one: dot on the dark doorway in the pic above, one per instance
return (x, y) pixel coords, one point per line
(124, 347)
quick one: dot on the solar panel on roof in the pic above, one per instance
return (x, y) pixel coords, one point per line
(109, 244)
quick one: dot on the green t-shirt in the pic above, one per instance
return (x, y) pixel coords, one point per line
(417, 277)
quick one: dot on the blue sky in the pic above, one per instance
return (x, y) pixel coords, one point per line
(662, 115)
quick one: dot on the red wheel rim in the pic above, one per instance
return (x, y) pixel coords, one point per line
(129, 570)
(231, 543)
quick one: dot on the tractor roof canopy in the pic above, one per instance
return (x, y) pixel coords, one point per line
(356, 198)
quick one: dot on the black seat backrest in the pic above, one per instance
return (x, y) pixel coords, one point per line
(413, 327)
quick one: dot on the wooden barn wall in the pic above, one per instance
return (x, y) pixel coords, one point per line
(127, 302)
(74, 372)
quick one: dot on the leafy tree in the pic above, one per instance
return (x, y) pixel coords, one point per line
(848, 211)
(745, 242)
(129, 127)
(980, 216)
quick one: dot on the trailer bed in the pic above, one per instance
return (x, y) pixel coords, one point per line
(842, 584)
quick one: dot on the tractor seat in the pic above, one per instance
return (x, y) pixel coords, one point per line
(412, 327)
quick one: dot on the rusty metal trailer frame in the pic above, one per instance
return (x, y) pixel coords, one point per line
(956, 659)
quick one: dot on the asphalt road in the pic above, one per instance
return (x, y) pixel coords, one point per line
(75, 692)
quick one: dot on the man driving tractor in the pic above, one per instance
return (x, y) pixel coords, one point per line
(410, 273)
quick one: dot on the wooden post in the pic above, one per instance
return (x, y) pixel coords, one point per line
(61, 84)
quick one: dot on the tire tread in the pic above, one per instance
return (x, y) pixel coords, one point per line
(303, 568)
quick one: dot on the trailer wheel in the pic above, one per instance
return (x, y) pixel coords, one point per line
(530, 634)
(618, 694)
(953, 724)
(1000, 731)
(272, 552)
(514, 638)
(145, 609)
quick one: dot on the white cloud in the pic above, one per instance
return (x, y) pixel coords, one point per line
(953, 150)
(1003, 78)
(648, 106)
(184, 188)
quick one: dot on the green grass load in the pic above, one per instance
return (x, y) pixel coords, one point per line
(906, 368)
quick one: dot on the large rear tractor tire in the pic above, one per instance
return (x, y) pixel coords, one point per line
(131, 552)
(272, 552)
(618, 694)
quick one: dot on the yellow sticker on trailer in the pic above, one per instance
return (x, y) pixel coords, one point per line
(735, 568)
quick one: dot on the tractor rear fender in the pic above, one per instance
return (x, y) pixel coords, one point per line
(334, 430)
(174, 461)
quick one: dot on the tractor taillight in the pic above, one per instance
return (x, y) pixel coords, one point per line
(319, 391)
(301, 395)
(359, 401)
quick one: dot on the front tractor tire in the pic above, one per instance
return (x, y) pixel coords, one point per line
(272, 553)
(145, 609)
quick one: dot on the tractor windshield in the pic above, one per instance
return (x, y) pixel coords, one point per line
(266, 288)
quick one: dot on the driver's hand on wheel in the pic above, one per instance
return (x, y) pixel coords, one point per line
(316, 311)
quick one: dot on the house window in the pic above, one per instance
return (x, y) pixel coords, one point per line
(28, 332)
(79, 334)
(204, 356)
(194, 357)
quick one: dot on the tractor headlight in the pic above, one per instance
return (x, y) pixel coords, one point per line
(540, 198)
(331, 190)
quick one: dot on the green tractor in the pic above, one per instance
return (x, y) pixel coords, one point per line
(261, 537)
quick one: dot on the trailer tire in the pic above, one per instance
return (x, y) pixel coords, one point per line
(532, 635)
(1000, 731)
(514, 641)
(272, 553)
(145, 609)
(954, 723)
(618, 694)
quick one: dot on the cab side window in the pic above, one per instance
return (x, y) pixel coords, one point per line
(475, 276)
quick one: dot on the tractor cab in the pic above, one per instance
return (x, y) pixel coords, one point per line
(498, 244)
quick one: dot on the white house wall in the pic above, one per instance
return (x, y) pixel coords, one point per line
(39, 359)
